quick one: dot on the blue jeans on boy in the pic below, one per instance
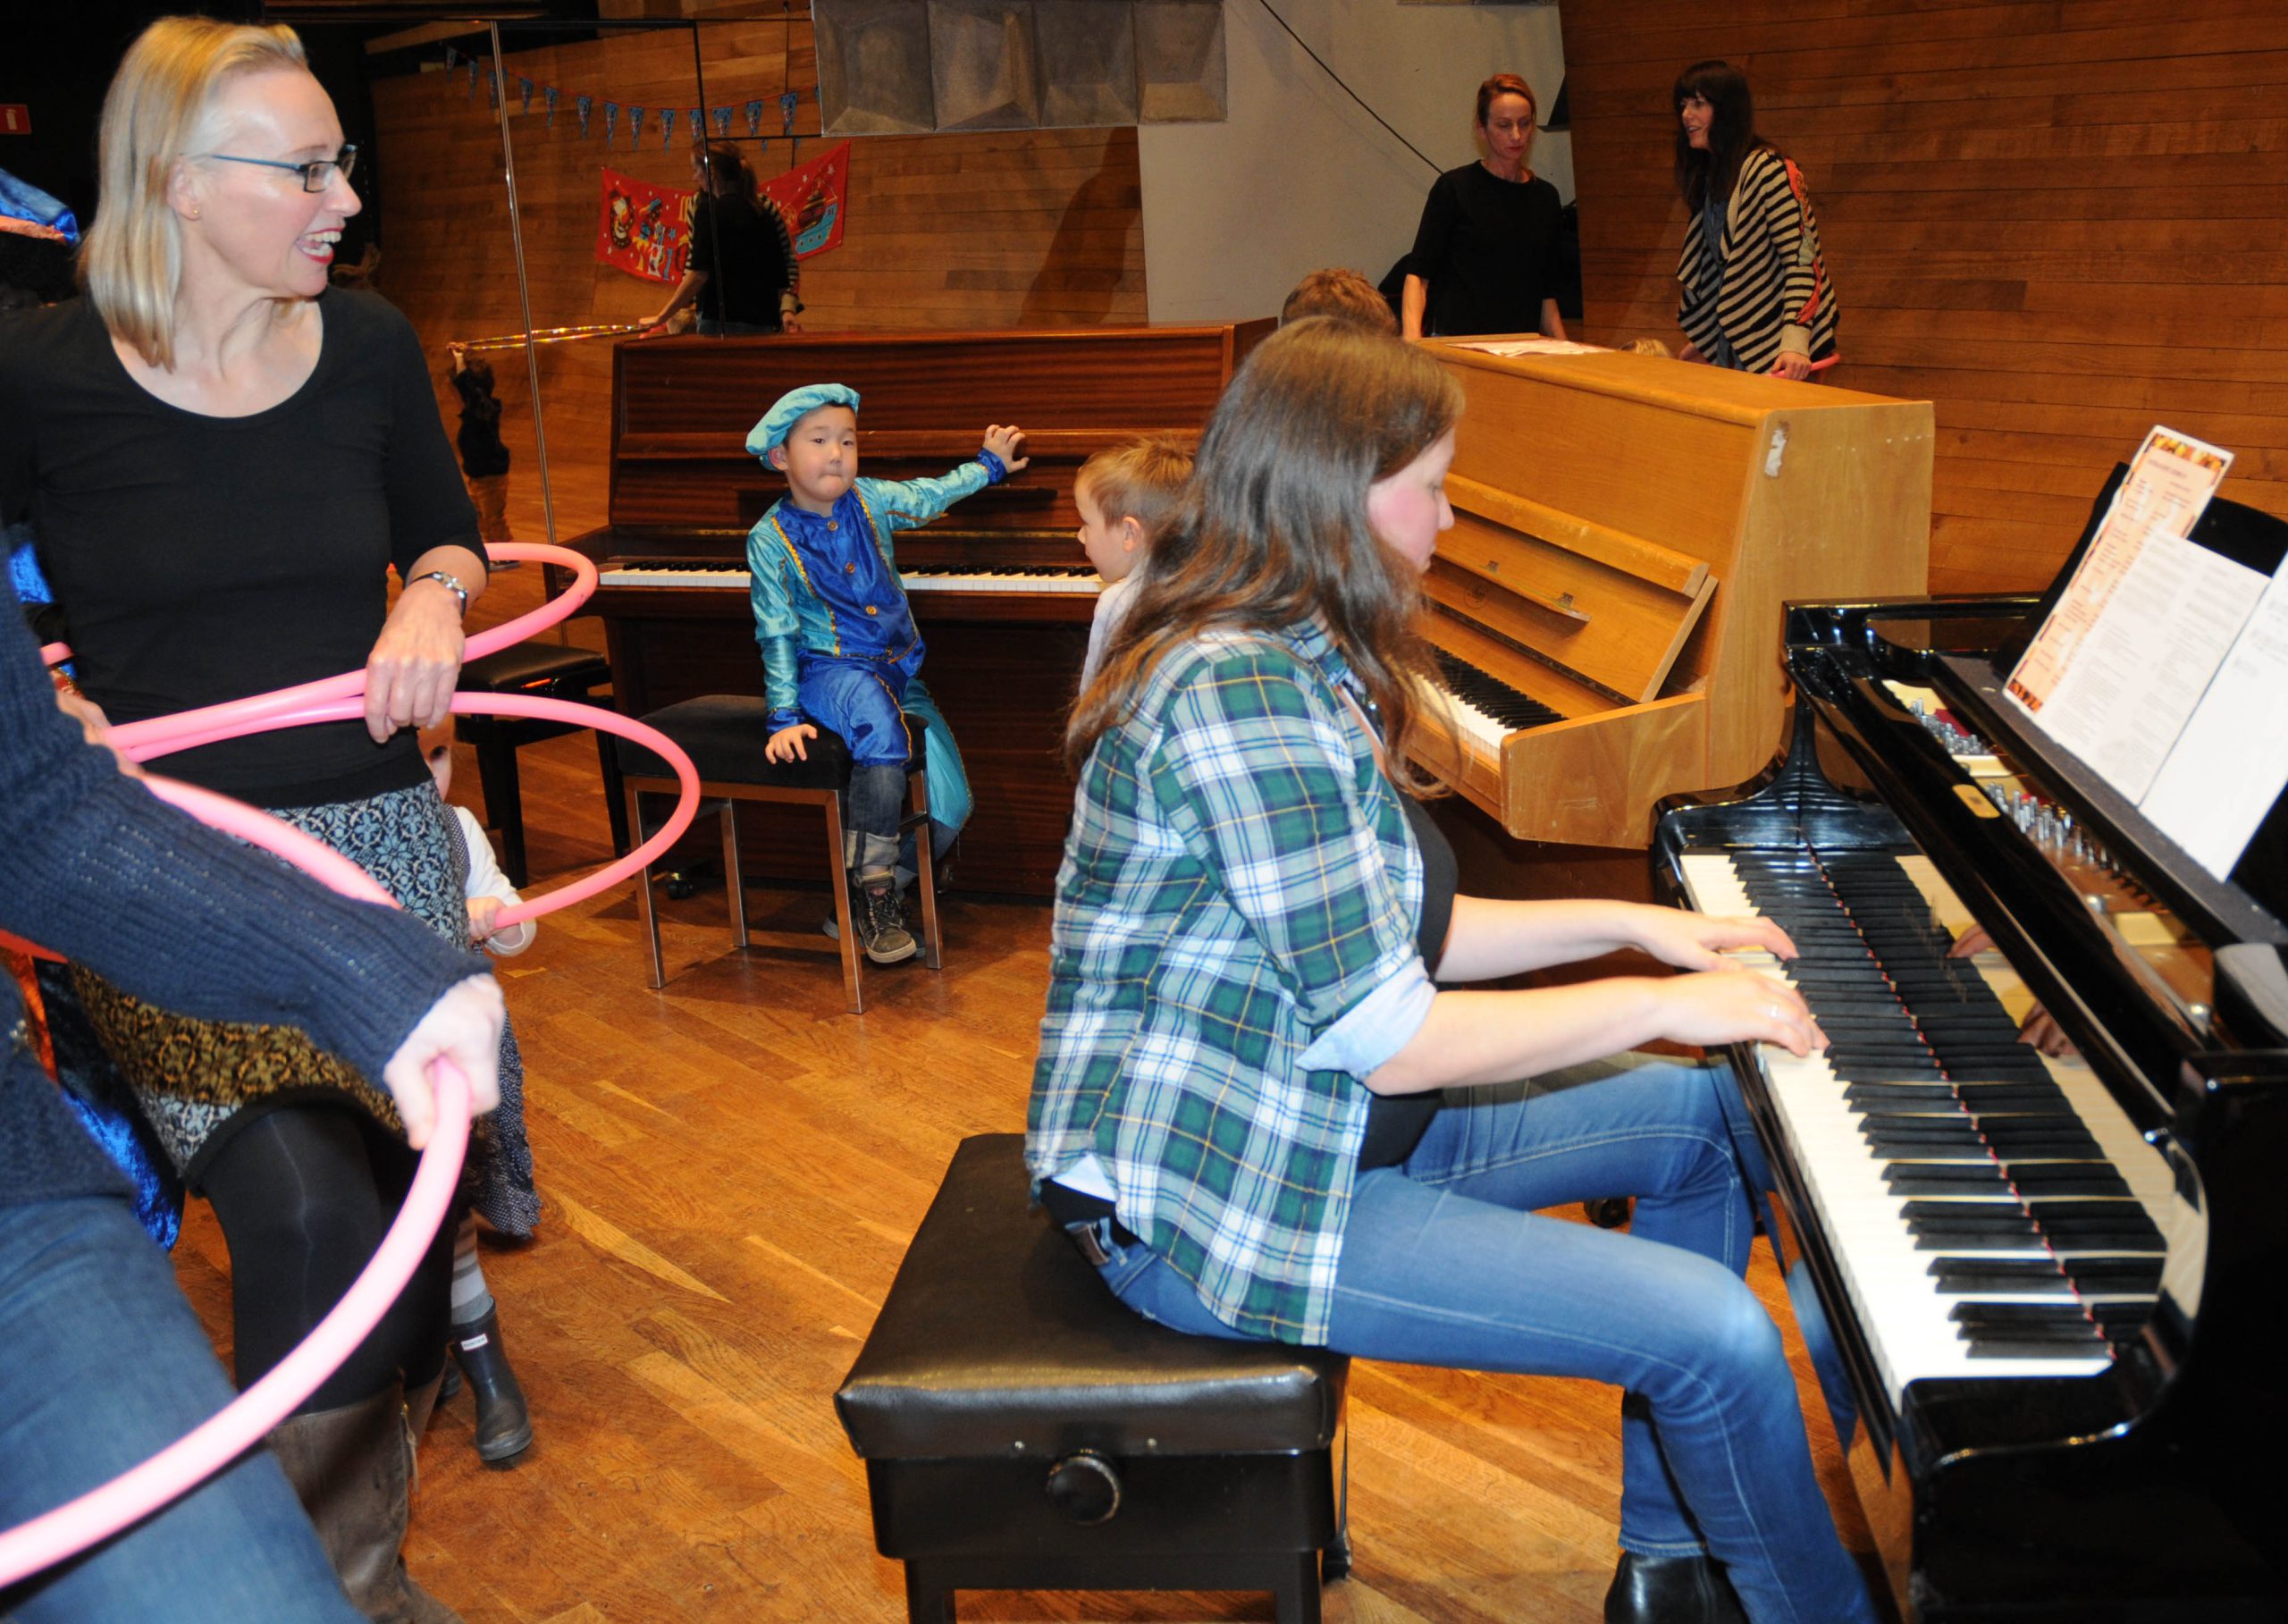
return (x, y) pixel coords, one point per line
(1445, 1262)
(103, 1364)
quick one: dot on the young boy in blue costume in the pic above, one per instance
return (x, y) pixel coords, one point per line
(839, 647)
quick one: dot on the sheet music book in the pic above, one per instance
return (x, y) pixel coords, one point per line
(2230, 764)
(2164, 662)
(2169, 483)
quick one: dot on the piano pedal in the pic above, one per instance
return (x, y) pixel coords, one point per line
(1610, 1213)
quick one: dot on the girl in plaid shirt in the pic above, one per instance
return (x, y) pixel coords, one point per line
(1237, 1104)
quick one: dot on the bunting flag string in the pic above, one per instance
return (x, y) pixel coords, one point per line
(814, 201)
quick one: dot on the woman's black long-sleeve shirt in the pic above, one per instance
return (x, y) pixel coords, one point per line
(198, 560)
(1488, 248)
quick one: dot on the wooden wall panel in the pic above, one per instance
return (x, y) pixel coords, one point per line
(1036, 228)
(2057, 220)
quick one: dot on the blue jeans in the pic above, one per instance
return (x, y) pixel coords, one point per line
(1445, 1262)
(102, 1364)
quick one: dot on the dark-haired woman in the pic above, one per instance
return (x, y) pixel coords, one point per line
(742, 264)
(1484, 257)
(1237, 1102)
(1754, 289)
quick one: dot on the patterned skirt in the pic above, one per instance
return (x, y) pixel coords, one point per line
(197, 1082)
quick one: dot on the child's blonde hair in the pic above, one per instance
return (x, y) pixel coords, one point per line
(1343, 294)
(1648, 347)
(1274, 529)
(1143, 480)
(158, 111)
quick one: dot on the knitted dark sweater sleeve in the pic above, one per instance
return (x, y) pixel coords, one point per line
(95, 867)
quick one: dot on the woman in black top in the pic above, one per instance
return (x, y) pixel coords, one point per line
(742, 263)
(222, 458)
(1484, 257)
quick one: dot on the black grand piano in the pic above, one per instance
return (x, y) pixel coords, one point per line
(2046, 1277)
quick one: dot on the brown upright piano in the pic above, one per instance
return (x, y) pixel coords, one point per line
(1608, 603)
(999, 587)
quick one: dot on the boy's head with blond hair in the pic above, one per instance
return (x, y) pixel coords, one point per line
(1126, 496)
(1342, 293)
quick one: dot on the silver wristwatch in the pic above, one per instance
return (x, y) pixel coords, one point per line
(451, 583)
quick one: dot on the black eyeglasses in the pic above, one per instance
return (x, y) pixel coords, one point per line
(316, 174)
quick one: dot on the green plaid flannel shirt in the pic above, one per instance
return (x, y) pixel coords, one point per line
(1239, 875)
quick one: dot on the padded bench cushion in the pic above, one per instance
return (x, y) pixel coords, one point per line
(724, 734)
(523, 665)
(999, 1339)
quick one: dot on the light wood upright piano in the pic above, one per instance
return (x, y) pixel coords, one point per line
(1608, 603)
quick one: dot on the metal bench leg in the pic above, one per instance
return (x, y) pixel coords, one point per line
(644, 906)
(846, 932)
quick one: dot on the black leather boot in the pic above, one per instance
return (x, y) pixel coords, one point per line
(504, 1423)
(1670, 1590)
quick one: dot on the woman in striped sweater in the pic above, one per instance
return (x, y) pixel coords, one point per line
(1755, 291)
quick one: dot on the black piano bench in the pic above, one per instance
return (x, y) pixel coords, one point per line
(1022, 1430)
(724, 735)
(541, 670)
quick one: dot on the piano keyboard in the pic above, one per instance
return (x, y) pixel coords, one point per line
(1993, 1211)
(1047, 578)
(1486, 709)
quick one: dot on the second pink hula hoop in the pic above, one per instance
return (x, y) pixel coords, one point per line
(96, 1515)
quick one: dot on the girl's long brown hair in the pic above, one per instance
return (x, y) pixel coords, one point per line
(1274, 533)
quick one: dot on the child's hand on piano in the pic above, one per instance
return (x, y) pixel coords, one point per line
(787, 744)
(1699, 941)
(1003, 442)
(1721, 1006)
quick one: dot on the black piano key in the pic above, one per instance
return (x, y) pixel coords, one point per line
(2025, 1316)
(2101, 1276)
(2067, 1178)
(1998, 1344)
(1943, 1178)
(1972, 1274)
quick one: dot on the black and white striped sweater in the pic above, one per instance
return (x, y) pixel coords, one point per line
(1777, 295)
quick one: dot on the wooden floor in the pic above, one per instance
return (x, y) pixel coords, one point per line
(732, 1168)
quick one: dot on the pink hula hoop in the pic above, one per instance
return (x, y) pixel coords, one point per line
(102, 1511)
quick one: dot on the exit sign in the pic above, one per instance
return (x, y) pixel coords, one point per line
(15, 119)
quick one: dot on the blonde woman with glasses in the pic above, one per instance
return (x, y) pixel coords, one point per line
(221, 460)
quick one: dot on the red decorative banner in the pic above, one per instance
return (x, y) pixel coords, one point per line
(814, 197)
(645, 229)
